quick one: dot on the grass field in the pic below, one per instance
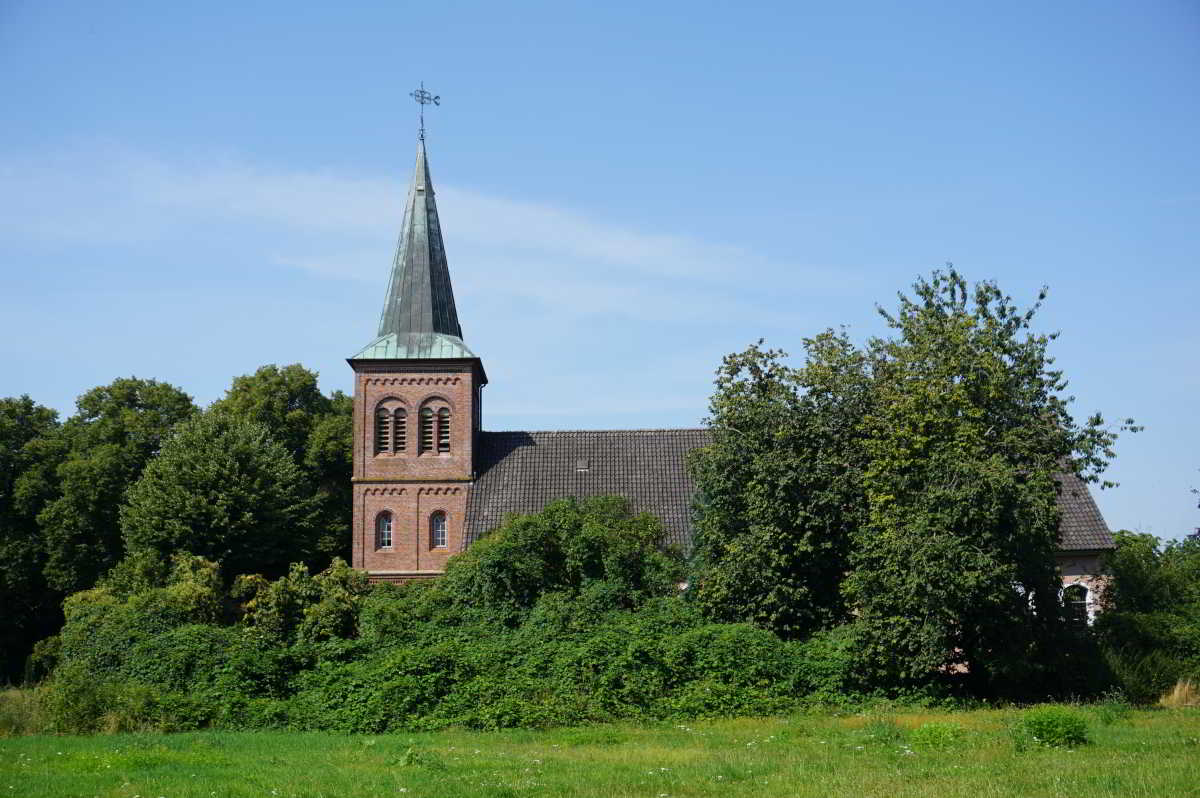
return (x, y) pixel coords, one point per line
(1152, 753)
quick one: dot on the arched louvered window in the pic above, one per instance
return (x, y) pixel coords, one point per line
(391, 427)
(383, 530)
(443, 430)
(399, 430)
(437, 530)
(1075, 602)
(427, 430)
(383, 431)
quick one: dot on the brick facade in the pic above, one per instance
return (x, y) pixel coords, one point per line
(410, 484)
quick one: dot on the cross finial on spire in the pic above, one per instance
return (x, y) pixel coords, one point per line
(424, 98)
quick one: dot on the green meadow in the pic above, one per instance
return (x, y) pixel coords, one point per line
(976, 754)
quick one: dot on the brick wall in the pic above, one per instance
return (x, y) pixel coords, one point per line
(412, 485)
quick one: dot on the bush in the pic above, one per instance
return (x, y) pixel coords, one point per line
(883, 731)
(938, 735)
(1055, 726)
(22, 711)
(1112, 707)
(581, 622)
(826, 665)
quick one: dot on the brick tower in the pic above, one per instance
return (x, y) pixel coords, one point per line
(417, 391)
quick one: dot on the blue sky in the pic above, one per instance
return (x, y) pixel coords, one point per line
(628, 192)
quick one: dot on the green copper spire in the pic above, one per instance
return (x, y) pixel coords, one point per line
(419, 319)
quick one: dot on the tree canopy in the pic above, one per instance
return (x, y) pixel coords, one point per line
(106, 444)
(30, 607)
(1150, 626)
(779, 489)
(316, 430)
(223, 489)
(909, 483)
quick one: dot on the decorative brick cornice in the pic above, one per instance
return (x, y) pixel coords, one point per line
(382, 491)
(441, 491)
(406, 480)
(413, 380)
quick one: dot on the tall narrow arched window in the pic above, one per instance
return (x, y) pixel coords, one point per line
(437, 530)
(443, 430)
(383, 431)
(391, 427)
(1075, 602)
(426, 444)
(399, 430)
(383, 530)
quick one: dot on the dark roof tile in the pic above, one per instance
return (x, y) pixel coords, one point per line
(522, 472)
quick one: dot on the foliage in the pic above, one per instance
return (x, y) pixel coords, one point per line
(1055, 726)
(778, 489)
(118, 428)
(937, 735)
(567, 616)
(316, 430)
(1150, 627)
(22, 712)
(956, 562)
(302, 608)
(30, 606)
(223, 489)
(910, 485)
(594, 545)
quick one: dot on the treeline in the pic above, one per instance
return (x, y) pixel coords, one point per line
(259, 479)
(881, 520)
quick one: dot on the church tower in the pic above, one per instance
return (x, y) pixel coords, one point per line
(417, 390)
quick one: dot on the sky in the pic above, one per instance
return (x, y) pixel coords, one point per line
(628, 192)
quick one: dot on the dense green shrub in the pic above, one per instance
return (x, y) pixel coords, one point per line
(1150, 629)
(938, 735)
(565, 617)
(1055, 726)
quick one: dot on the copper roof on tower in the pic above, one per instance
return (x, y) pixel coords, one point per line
(419, 319)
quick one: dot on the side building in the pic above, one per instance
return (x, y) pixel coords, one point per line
(428, 481)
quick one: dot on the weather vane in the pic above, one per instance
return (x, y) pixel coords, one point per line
(424, 98)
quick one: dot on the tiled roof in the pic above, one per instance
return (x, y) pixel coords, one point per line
(1082, 527)
(522, 472)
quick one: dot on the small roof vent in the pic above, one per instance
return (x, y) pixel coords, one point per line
(582, 466)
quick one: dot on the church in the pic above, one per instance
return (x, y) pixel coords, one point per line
(428, 480)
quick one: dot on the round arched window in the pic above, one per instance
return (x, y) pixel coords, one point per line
(383, 530)
(437, 530)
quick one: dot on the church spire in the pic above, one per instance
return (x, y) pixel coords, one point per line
(419, 319)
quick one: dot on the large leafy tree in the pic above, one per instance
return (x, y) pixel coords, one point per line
(969, 427)
(27, 456)
(222, 488)
(104, 446)
(1150, 629)
(909, 484)
(779, 489)
(317, 431)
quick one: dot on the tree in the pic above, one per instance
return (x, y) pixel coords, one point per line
(968, 428)
(105, 446)
(317, 431)
(30, 606)
(908, 484)
(1150, 627)
(779, 489)
(222, 489)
